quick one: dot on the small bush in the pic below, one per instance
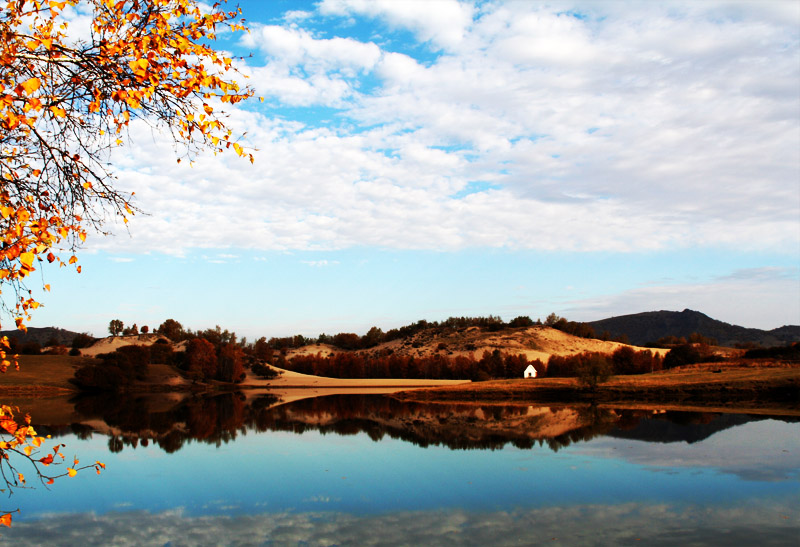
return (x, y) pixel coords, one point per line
(685, 354)
(263, 370)
(82, 340)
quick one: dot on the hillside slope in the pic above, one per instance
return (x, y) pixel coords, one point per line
(537, 342)
(642, 328)
(41, 335)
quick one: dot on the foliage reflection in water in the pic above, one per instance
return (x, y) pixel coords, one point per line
(374, 470)
(218, 419)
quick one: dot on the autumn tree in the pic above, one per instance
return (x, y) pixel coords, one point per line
(116, 327)
(201, 360)
(593, 369)
(67, 101)
(230, 367)
(261, 350)
(171, 329)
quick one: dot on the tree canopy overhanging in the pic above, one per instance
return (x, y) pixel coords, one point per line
(67, 97)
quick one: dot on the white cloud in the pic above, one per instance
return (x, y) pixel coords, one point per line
(593, 127)
(303, 70)
(746, 441)
(320, 263)
(768, 297)
(752, 523)
(442, 22)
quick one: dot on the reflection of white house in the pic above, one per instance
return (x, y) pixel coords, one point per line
(530, 372)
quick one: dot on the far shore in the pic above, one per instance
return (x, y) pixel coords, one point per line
(708, 386)
(770, 387)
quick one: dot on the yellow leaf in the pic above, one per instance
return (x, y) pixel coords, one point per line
(71, 472)
(27, 259)
(30, 85)
(238, 148)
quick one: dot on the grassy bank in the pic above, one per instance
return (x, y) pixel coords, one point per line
(759, 385)
(755, 387)
(41, 374)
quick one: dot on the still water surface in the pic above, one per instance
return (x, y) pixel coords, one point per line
(369, 470)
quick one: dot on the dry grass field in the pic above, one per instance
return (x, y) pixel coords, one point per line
(40, 373)
(759, 386)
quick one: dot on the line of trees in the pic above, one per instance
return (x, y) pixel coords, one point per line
(494, 364)
(350, 341)
(491, 365)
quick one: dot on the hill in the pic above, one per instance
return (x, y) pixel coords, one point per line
(41, 335)
(537, 342)
(647, 327)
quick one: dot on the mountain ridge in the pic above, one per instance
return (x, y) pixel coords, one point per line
(648, 327)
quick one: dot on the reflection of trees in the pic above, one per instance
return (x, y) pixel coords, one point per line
(457, 426)
(141, 419)
(212, 419)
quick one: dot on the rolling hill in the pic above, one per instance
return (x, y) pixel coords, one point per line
(647, 327)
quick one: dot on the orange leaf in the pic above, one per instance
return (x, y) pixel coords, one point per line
(5, 520)
(8, 424)
(31, 85)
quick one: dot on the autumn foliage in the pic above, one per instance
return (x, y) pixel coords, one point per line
(67, 100)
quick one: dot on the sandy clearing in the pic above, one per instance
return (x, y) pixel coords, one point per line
(289, 379)
(111, 344)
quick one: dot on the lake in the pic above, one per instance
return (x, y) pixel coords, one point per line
(259, 469)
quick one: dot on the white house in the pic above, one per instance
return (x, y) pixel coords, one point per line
(530, 372)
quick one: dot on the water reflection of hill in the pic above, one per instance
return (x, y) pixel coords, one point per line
(689, 427)
(130, 420)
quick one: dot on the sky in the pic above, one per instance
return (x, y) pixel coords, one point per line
(421, 160)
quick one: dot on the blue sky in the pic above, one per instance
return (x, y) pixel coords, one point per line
(427, 159)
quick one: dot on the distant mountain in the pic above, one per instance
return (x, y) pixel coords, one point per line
(642, 328)
(41, 335)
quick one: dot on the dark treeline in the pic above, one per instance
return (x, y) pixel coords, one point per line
(625, 360)
(391, 365)
(784, 353)
(492, 365)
